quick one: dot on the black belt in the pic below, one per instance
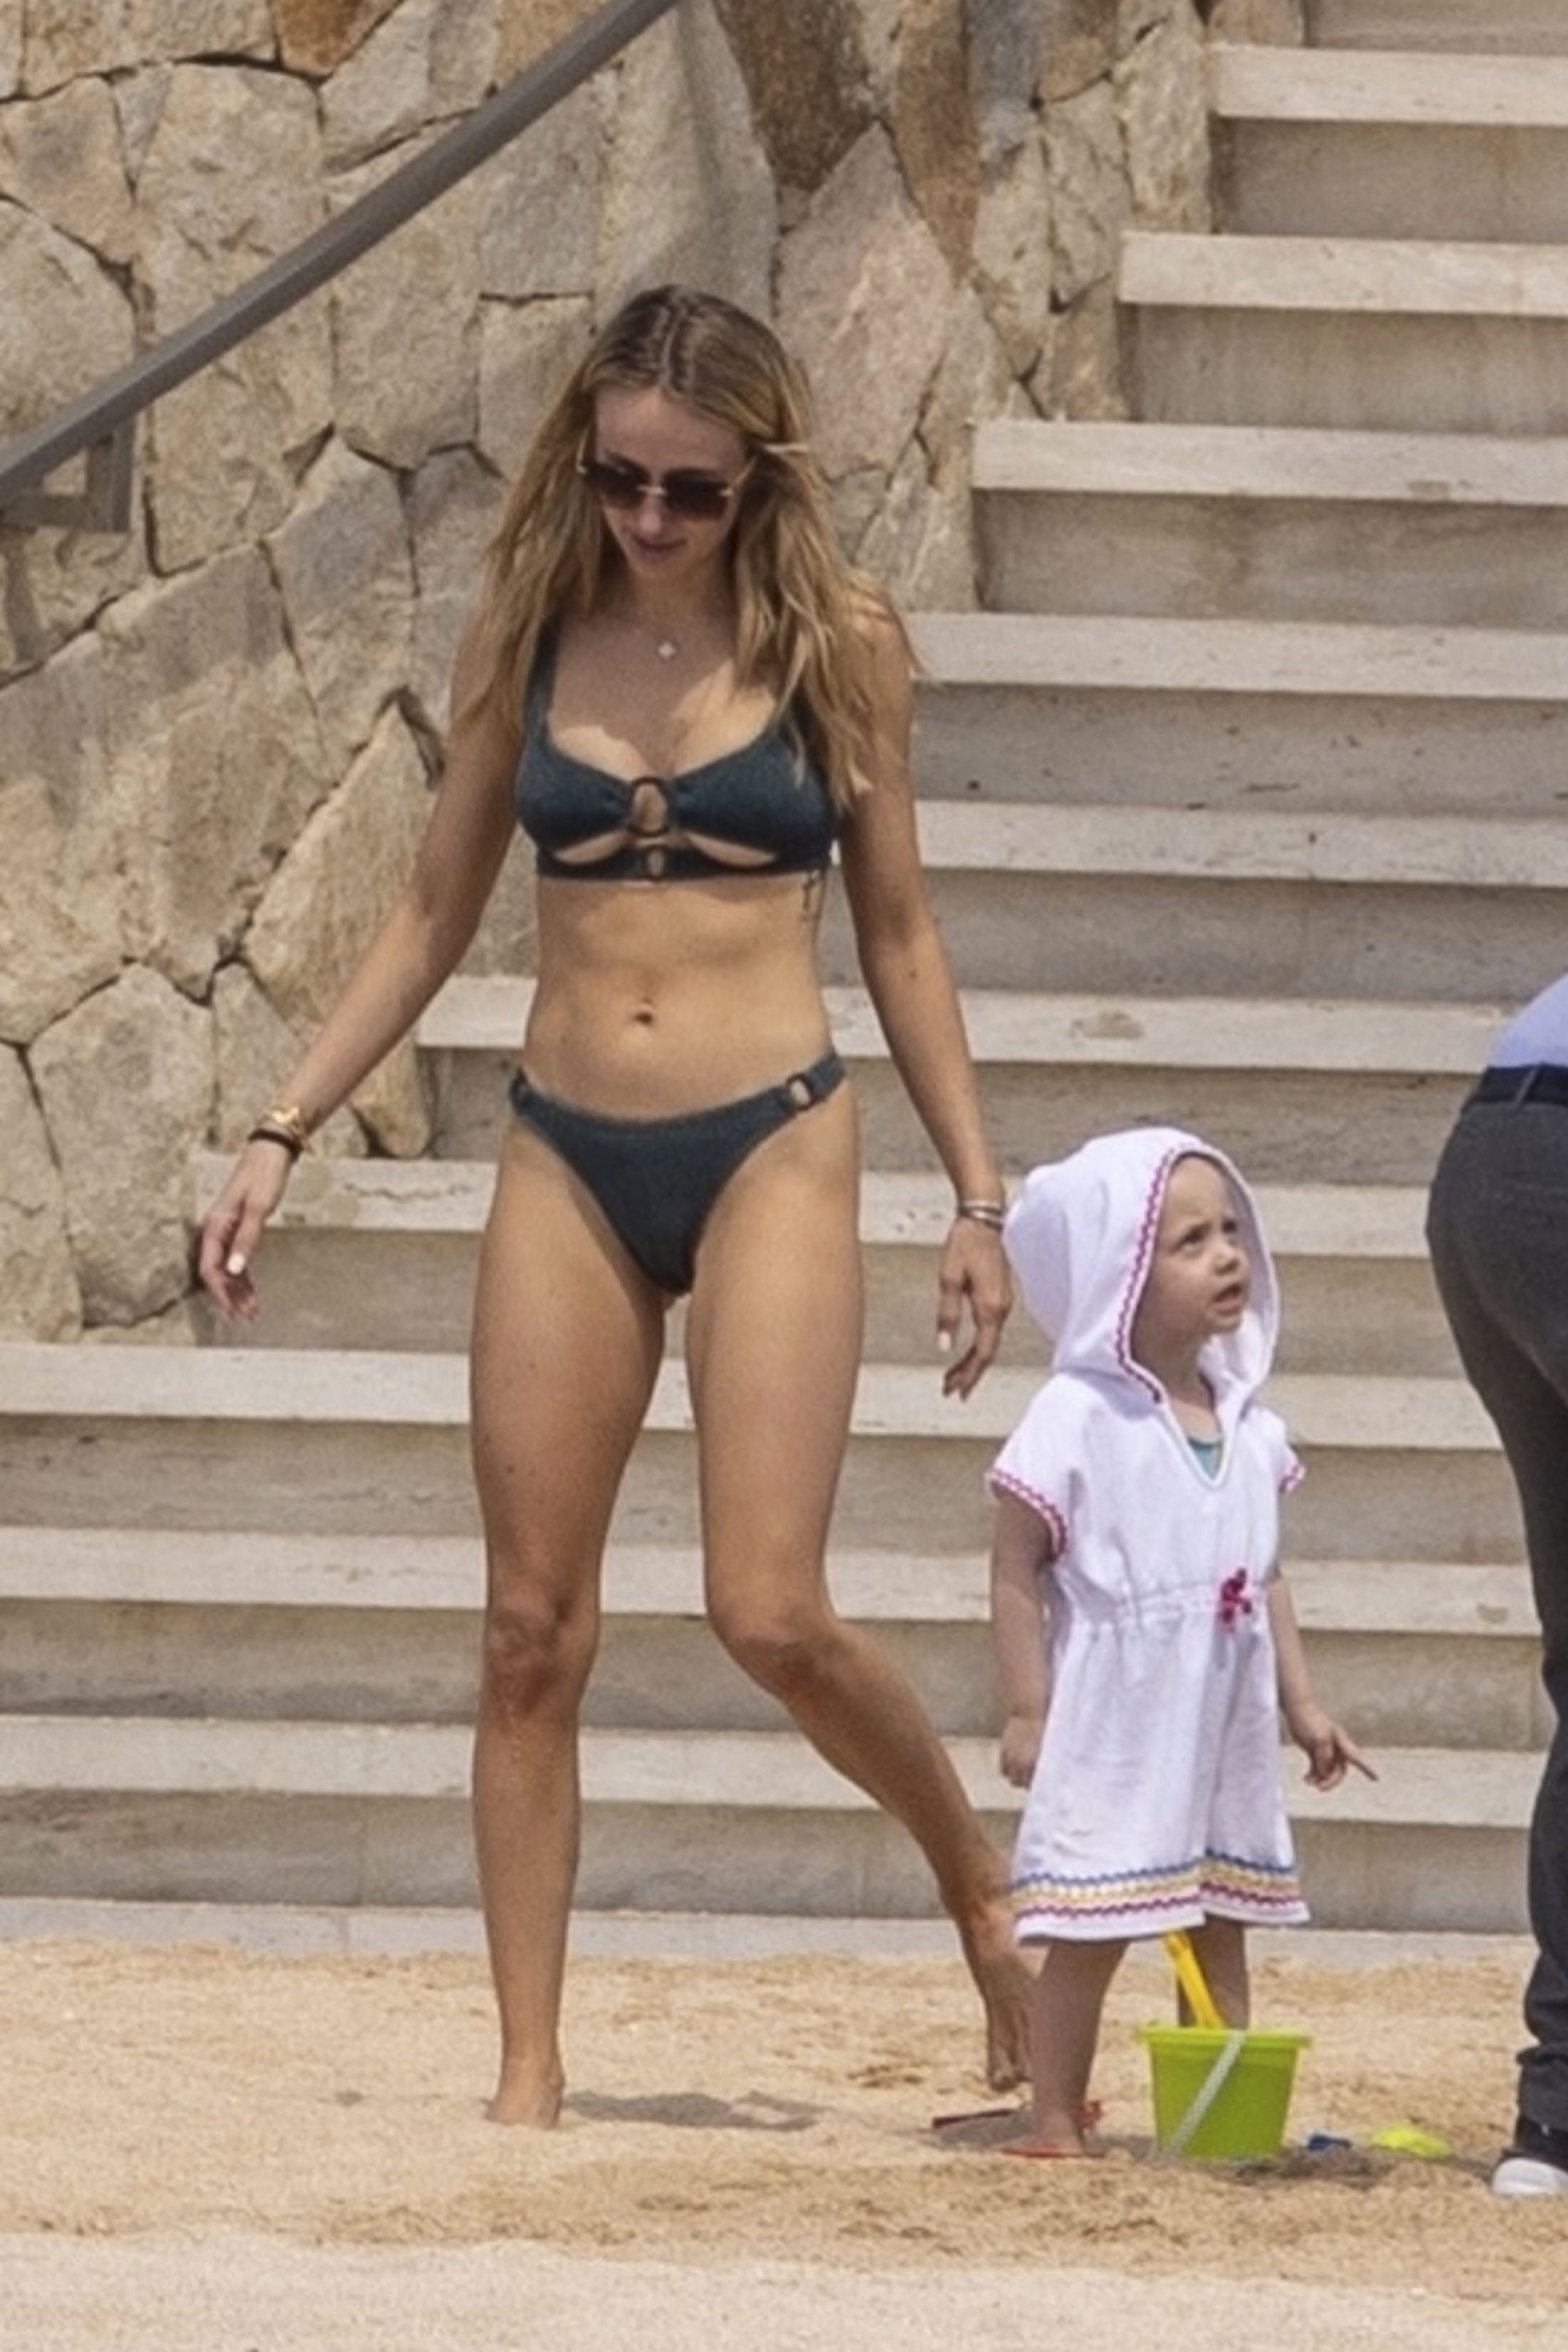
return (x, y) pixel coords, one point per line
(1542, 1082)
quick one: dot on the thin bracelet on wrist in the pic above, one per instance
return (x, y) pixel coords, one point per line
(282, 1123)
(992, 1214)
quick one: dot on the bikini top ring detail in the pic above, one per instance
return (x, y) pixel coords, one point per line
(764, 799)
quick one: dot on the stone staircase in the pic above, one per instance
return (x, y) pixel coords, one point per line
(1240, 805)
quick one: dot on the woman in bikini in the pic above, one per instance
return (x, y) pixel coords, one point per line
(678, 688)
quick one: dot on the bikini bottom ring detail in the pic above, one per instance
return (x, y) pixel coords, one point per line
(656, 1179)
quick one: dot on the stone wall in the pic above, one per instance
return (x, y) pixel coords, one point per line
(218, 730)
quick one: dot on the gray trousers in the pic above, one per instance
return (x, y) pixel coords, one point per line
(1497, 1227)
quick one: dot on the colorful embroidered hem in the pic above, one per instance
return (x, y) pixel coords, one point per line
(1150, 1903)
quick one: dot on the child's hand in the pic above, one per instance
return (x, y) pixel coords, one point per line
(1021, 1738)
(1329, 1753)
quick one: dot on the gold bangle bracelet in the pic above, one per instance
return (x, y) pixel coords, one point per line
(286, 1120)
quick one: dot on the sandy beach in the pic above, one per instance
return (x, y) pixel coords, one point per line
(207, 2150)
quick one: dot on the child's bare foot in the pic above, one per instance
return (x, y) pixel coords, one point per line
(524, 2095)
(1057, 2134)
(1045, 2151)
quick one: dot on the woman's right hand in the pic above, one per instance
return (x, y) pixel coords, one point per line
(232, 1226)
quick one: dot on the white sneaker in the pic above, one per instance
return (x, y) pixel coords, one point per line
(1528, 2176)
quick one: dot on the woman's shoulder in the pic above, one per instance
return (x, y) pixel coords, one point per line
(885, 655)
(876, 621)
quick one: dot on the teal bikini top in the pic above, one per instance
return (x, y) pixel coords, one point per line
(766, 797)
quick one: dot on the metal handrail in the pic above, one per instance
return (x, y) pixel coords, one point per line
(103, 413)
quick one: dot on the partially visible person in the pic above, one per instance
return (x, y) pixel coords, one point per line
(685, 697)
(1145, 1638)
(1497, 1226)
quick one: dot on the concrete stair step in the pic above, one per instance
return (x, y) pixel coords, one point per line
(223, 1571)
(341, 1271)
(216, 1811)
(1326, 142)
(1334, 847)
(1290, 1087)
(230, 1388)
(484, 1015)
(1515, 27)
(1275, 462)
(1256, 902)
(377, 1444)
(1395, 333)
(1381, 277)
(1273, 522)
(774, 1771)
(1257, 82)
(1303, 715)
(1242, 658)
(366, 1930)
(118, 1622)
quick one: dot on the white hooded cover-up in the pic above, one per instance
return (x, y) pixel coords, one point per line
(1156, 1799)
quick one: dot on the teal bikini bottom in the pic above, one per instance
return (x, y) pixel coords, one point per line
(657, 1178)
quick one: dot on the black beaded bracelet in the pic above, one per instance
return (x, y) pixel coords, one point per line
(279, 1135)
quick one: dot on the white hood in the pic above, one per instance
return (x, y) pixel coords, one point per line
(1080, 1237)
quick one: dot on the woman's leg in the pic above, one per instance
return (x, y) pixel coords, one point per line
(1221, 1949)
(566, 1344)
(1068, 1996)
(773, 1349)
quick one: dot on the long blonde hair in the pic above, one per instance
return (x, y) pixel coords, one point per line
(803, 611)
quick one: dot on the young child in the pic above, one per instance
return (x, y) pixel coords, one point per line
(1144, 1638)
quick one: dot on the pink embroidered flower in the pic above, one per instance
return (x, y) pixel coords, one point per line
(1235, 1601)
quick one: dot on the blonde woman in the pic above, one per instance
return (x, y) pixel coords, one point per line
(679, 689)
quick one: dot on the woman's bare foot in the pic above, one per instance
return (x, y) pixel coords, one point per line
(523, 2096)
(1004, 1979)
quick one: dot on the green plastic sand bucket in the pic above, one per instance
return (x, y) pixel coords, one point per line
(1220, 2094)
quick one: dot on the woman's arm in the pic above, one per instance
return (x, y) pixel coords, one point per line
(910, 982)
(414, 951)
(1020, 1557)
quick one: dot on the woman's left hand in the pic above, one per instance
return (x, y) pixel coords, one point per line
(973, 1278)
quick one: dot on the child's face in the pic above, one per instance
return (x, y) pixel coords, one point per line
(1198, 1276)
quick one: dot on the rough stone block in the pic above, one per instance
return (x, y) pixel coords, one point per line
(63, 39)
(44, 274)
(863, 300)
(406, 327)
(315, 36)
(327, 896)
(683, 135)
(345, 570)
(124, 1081)
(38, 1294)
(213, 753)
(59, 897)
(60, 157)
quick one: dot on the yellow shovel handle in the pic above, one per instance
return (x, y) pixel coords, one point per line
(1191, 1977)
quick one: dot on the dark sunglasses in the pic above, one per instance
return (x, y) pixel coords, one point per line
(695, 497)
